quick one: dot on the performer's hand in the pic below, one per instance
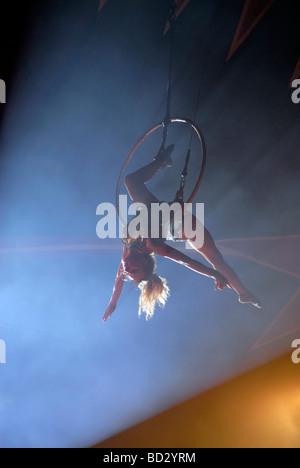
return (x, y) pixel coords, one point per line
(109, 311)
(220, 281)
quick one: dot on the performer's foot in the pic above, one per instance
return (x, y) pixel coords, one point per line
(249, 298)
(164, 157)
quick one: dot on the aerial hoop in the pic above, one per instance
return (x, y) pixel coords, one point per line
(200, 136)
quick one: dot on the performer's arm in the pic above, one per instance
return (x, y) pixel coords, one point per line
(118, 287)
(167, 251)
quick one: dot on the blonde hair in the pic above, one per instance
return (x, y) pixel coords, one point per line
(154, 290)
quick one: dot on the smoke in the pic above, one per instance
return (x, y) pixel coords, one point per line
(84, 93)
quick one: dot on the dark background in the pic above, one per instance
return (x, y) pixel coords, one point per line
(81, 89)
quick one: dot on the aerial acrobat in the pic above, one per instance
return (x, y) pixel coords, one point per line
(138, 258)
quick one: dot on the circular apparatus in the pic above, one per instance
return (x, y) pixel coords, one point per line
(200, 137)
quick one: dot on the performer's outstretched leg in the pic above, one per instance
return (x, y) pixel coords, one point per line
(135, 182)
(214, 257)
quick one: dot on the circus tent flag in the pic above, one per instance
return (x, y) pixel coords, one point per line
(282, 255)
(101, 5)
(253, 12)
(296, 73)
(286, 323)
(181, 4)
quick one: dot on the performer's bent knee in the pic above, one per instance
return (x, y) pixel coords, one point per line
(130, 182)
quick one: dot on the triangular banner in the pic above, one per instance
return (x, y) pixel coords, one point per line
(101, 5)
(296, 73)
(181, 4)
(278, 253)
(286, 323)
(281, 254)
(253, 12)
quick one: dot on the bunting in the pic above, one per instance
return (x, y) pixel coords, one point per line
(286, 323)
(281, 254)
(101, 5)
(253, 12)
(296, 73)
(181, 4)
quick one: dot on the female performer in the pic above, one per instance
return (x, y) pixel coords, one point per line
(138, 258)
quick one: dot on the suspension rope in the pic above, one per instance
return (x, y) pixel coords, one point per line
(164, 125)
(180, 192)
(166, 121)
